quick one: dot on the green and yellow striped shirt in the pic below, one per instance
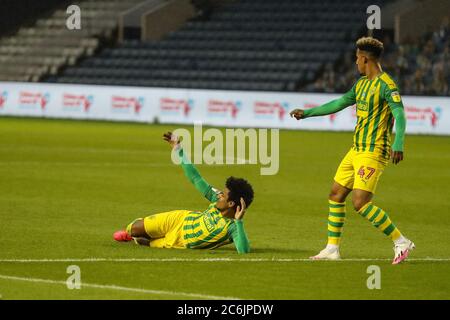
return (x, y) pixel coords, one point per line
(208, 229)
(375, 99)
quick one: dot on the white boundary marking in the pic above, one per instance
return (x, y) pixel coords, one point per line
(430, 259)
(85, 164)
(114, 164)
(119, 288)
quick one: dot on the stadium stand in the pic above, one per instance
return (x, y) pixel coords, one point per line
(261, 45)
(17, 13)
(420, 66)
(265, 45)
(47, 45)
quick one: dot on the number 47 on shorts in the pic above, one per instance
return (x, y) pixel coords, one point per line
(362, 172)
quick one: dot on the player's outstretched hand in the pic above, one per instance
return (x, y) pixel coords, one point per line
(297, 114)
(172, 139)
(396, 156)
(240, 210)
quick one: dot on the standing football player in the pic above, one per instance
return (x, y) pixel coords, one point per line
(378, 103)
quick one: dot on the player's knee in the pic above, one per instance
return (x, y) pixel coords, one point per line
(333, 196)
(358, 203)
(338, 193)
(336, 196)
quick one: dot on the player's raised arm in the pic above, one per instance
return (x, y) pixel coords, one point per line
(333, 106)
(189, 169)
(238, 234)
(394, 100)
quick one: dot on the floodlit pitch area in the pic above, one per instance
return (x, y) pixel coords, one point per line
(66, 186)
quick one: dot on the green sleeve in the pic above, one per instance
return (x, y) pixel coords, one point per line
(333, 106)
(240, 237)
(394, 100)
(196, 179)
(400, 128)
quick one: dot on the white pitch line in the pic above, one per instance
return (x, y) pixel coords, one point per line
(85, 164)
(207, 260)
(119, 288)
(236, 161)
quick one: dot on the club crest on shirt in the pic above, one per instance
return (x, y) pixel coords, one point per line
(362, 105)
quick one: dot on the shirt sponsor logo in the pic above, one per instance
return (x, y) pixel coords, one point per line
(209, 222)
(362, 105)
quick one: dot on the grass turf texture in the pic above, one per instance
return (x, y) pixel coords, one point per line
(66, 186)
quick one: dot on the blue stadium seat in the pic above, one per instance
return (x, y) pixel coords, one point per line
(248, 45)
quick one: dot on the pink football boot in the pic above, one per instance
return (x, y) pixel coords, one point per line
(122, 236)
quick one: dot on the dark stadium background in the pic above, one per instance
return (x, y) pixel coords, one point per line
(297, 45)
(75, 166)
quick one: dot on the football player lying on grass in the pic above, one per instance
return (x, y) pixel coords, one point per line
(220, 224)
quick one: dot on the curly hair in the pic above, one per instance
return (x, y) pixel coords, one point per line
(370, 45)
(239, 188)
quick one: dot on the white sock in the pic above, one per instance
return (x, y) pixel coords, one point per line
(332, 247)
(400, 240)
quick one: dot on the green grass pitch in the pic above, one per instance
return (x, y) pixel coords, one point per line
(66, 186)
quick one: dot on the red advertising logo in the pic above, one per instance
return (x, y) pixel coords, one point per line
(120, 103)
(267, 109)
(170, 106)
(29, 99)
(222, 108)
(421, 114)
(71, 101)
(3, 97)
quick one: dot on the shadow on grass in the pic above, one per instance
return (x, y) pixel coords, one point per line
(228, 250)
(260, 250)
